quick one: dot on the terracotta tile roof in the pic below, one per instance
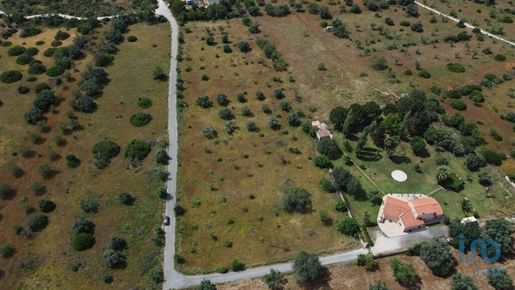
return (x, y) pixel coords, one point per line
(394, 207)
(409, 220)
(426, 205)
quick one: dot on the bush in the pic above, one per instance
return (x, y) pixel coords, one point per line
(117, 244)
(5, 190)
(72, 161)
(132, 38)
(10, 76)
(40, 87)
(56, 43)
(32, 78)
(327, 185)
(16, 50)
(456, 67)
(459, 105)
(55, 71)
(237, 266)
(46, 205)
(61, 35)
(37, 222)
(349, 227)
(83, 226)
(144, 103)
(23, 90)
(83, 241)
(88, 205)
(379, 63)
(106, 148)
(424, 74)
(329, 148)
(6, 251)
(296, 199)
(126, 198)
(500, 57)
(36, 69)
(137, 150)
(49, 52)
(322, 161)
(24, 59)
(140, 119)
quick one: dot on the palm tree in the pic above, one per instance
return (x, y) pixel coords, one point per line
(442, 173)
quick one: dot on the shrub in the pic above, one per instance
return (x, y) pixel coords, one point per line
(10, 76)
(500, 57)
(117, 244)
(126, 198)
(88, 205)
(55, 71)
(237, 266)
(349, 227)
(16, 50)
(459, 105)
(424, 74)
(40, 87)
(24, 59)
(132, 38)
(106, 148)
(456, 67)
(6, 251)
(56, 43)
(40, 42)
(327, 185)
(61, 35)
(83, 241)
(37, 222)
(140, 119)
(23, 90)
(296, 199)
(5, 190)
(144, 103)
(36, 69)
(46, 205)
(379, 63)
(32, 78)
(38, 188)
(72, 161)
(83, 226)
(329, 148)
(49, 52)
(137, 150)
(322, 161)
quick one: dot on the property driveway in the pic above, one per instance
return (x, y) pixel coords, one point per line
(386, 246)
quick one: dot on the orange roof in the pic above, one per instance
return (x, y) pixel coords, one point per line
(409, 220)
(394, 207)
(426, 205)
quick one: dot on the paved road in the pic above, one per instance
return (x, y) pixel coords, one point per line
(466, 24)
(172, 278)
(63, 16)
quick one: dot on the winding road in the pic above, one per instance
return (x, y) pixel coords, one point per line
(175, 280)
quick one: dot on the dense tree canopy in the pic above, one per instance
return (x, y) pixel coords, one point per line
(437, 256)
(296, 199)
(306, 267)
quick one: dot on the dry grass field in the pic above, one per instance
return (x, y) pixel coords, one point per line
(48, 256)
(241, 176)
(217, 179)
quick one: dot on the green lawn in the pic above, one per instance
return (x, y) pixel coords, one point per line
(425, 182)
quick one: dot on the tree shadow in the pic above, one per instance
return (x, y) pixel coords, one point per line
(397, 159)
(369, 154)
(423, 154)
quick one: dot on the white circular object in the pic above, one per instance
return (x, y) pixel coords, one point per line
(399, 175)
